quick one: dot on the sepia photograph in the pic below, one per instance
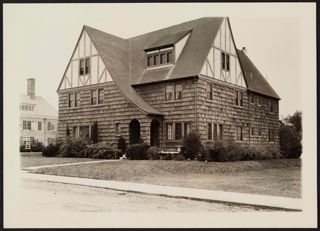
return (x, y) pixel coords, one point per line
(159, 115)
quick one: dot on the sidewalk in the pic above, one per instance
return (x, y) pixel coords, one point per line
(177, 192)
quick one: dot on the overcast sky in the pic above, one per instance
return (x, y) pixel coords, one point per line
(39, 38)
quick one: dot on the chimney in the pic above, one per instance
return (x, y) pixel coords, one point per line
(31, 88)
(244, 50)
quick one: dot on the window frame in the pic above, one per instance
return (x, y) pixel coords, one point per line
(160, 57)
(225, 61)
(169, 135)
(178, 132)
(209, 91)
(239, 136)
(171, 85)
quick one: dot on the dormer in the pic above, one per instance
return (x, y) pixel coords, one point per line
(166, 50)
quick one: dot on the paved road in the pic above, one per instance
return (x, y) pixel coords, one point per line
(41, 196)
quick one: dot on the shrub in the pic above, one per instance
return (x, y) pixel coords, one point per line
(73, 148)
(122, 145)
(107, 153)
(191, 146)
(153, 153)
(23, 148)
(179, 157)
(50, 151)
(138, 152)
(36, 146)
(290, 142)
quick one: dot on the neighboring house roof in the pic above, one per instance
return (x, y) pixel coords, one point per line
(114, 52)
(42, 109)
(253, 77)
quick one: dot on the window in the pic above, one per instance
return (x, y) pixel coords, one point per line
(220, 131)
(77, 100)
(253, 131)
(239, 134)
(271, 135)
(159, 57)
(162, 58)
(169, 132)
(259, 132)
(238, 98)
(178, 131)
(100, 96)
(272, 106)
(215, 131)
(87, 70)
(225, 61)
(117, 128)
(251, 99)
(93, 97)
(75, 132)
(71, 100)
(169, 57)
(258, 101)
(169, 92)
(209, 131)
(49, 126)
(84, 132)
(209, 91)
(39, 126)
(84, 66)
(81, 67)
(26, 124)
(155, 60)
(187, 128)
(178, 91)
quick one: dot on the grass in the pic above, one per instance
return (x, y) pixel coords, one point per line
(269, 177)
(33, 159)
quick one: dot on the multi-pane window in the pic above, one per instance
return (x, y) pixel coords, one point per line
(93, 97)
(178, 91)
(209, 91)
(84, 66)
(159, 57)
(84, 132)
(225, 61)
(26, 124)
(178, 131)
(27, 107)
(77, 100)
(215, 131)
(169, 92)
(239, 134)
(71, 99)
(100, 96)
(173, 91)
(169, 131)
(39, 126)
(238, 98)
(271, 135)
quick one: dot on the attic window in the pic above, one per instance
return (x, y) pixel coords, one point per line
(225, 61)
(159, 57)
(84, 66)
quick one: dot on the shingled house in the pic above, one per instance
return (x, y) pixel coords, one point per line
(162, 85)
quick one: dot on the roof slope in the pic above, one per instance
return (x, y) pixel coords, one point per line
(42, 107)
(114, 52)
(192, 57)
(253, 77)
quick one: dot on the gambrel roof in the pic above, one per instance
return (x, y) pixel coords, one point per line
(126, 58)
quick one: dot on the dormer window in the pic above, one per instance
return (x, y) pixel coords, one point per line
(159, 57)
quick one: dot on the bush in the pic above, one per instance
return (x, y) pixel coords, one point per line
(138, 152)
(290, 142)
(36, 146)
(73, 148)
(122, 145)
(23, 148)
(228, 150)
(153, 153)
(191, 146)
(179, 157)
(50, 151)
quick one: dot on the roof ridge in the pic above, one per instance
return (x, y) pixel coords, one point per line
(176, 25)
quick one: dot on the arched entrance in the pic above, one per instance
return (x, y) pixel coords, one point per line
(154, 132)
(134, 131)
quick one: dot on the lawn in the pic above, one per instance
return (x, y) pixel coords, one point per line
(270, 177)
(33, 159)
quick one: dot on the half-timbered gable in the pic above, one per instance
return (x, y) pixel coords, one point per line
(162, 85)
